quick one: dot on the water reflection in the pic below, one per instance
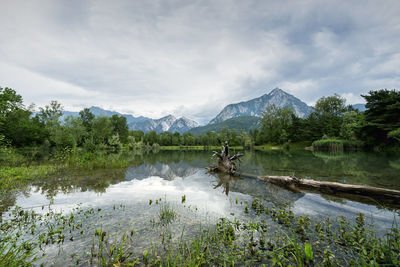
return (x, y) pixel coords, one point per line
(375, 169)
(166, 171)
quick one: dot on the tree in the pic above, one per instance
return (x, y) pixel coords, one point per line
(150, 138)
(9, 102)
(382, 115)
(16, 124)
(120, 127)
(331, 105)
(102, 129)
(275, 124)
(22, 130)
(87, 118)
(138, 135)
(51, 113)
(329, 111)
(351, 125)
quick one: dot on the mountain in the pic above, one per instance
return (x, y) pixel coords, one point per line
(239, 123)
(256, 106)
(168, 123)
(97, 111)
(360, 107)
(182, 125)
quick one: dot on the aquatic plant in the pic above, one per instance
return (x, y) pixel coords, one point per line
(166, 214)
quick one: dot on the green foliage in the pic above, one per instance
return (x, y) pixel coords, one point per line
(336, 145)
(381, 116)
(114, 141)
(102, 129)
(395, 134)
(330, 106)
(87, 118)
(166, 214)
(378, 126)
(120, 127)
(351, 125)
(275, 125)
(15, 123)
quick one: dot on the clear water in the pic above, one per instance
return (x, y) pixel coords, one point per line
(123, 194)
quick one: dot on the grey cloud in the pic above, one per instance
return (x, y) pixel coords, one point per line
(159, 57)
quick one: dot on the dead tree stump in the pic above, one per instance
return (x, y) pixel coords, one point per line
(226, 162)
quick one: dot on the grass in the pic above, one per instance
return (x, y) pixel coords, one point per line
(20, 171)
(336, 145)
(166, 214)
(15, 176)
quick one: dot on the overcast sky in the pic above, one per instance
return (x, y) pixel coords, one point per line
(192, 58)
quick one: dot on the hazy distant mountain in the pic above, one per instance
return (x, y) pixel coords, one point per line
(97, 111)
(256, 106)
(239, 123)
(182, 125)
(168, 123)
(360, 107)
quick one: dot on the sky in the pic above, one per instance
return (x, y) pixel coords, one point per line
(191, 58)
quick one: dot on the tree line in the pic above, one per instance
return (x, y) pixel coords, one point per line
(20, 126)
(378, 125)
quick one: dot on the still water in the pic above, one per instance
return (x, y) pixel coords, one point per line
(123, 195)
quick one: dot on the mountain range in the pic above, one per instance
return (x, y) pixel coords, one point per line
(256, 106)
(244, 123)
(239, 116)
(98, 112)
(168, 123)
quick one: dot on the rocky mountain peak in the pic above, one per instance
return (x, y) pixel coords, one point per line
(256, 106)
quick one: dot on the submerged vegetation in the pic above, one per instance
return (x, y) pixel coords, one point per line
(275, 236)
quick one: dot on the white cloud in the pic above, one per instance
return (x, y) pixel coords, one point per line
(191, 58)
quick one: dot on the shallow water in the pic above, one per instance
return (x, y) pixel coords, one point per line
(123, 195)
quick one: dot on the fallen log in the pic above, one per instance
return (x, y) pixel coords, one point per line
(359, 193)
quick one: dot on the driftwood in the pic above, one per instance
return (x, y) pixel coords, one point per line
(226, 162)
(360, 193)
(333, 188)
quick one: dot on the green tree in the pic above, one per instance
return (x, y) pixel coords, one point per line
(382, 115)
(138, 135)
(50, 114)
(120, 127)
(329, 111)
(273, 122)
(351, 125)
(16, 124)
(102, 129)
(150, 138)
(9, 102)
(87, 118)
(176, 139)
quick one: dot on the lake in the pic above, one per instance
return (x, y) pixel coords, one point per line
(130, 199)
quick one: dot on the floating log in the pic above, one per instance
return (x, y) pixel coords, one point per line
(359, 193)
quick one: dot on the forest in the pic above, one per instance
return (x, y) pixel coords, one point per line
(332, 122)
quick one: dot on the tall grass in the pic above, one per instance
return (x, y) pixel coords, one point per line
(336, 145)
